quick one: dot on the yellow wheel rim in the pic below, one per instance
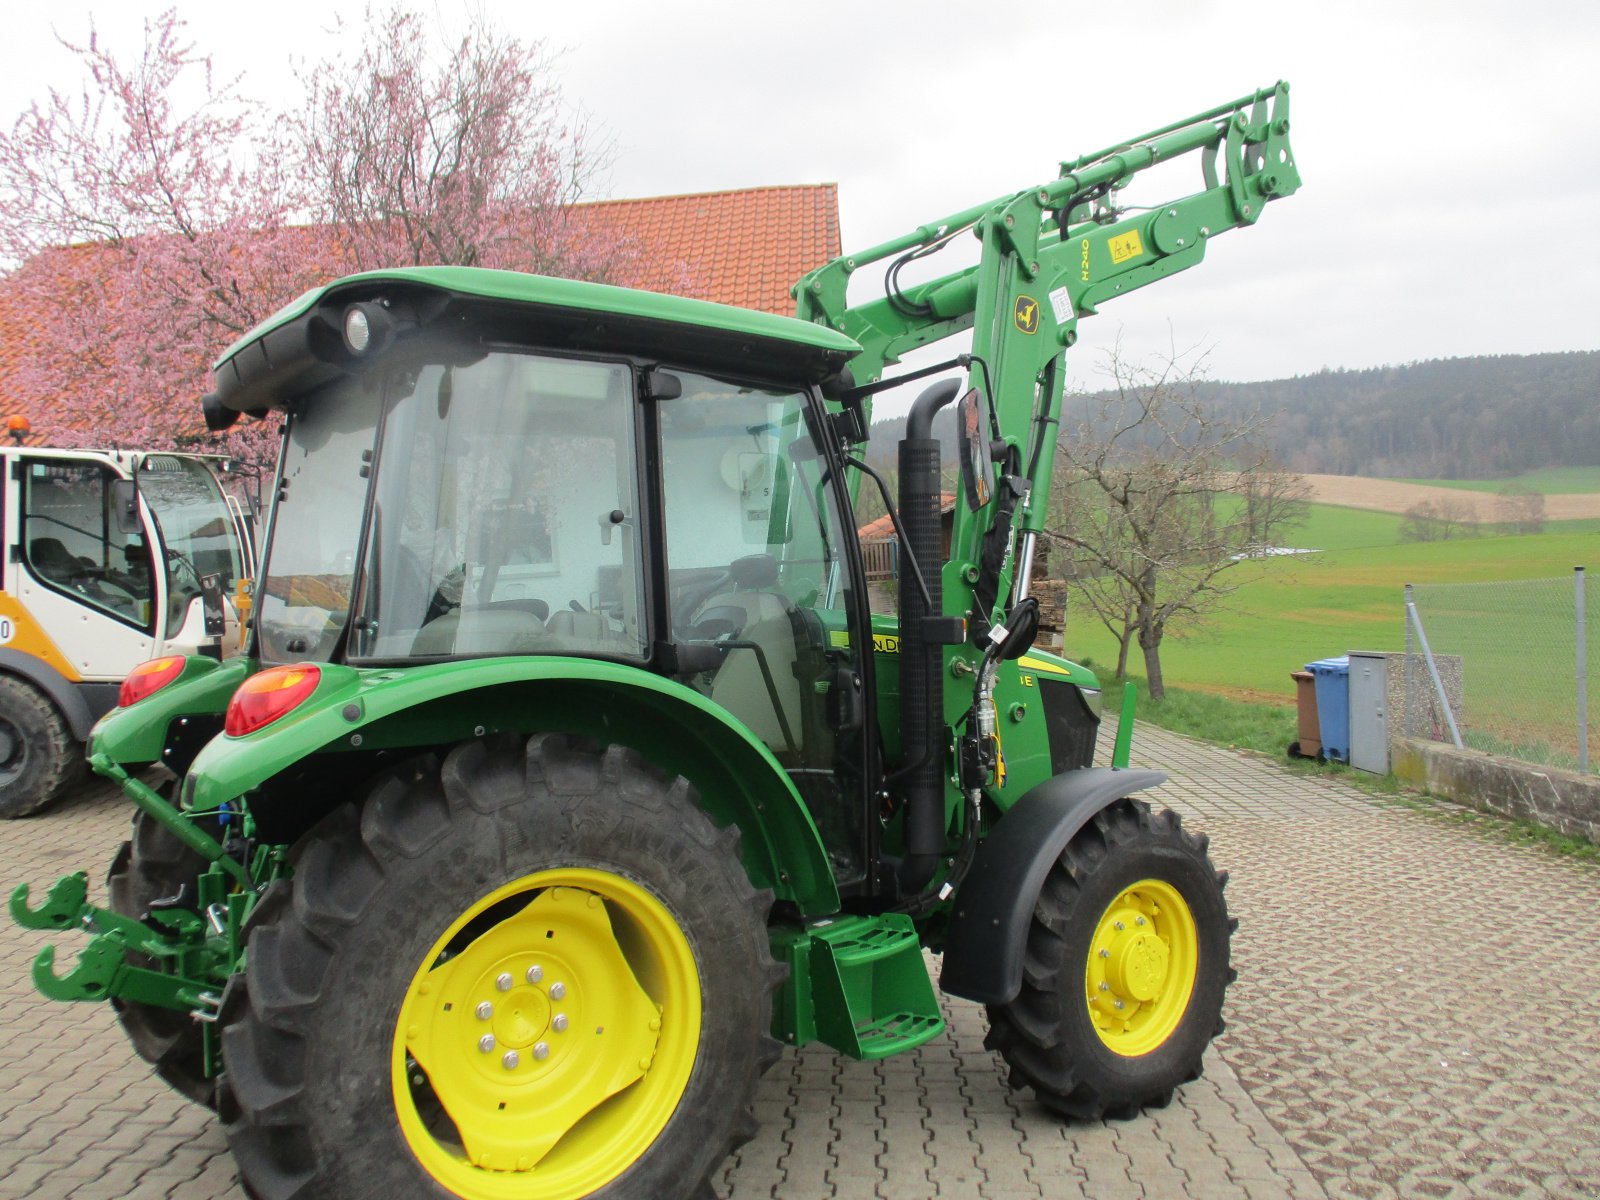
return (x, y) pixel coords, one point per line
(1141, 970)
(547, 1038)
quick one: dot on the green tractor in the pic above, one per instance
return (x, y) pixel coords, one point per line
(569, 777)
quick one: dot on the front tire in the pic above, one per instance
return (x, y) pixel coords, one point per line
(538, 971)
(38, 758)
(1125, 969)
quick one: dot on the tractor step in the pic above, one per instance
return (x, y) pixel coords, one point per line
(859, 984)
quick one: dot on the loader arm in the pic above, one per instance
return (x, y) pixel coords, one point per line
(1051, 255)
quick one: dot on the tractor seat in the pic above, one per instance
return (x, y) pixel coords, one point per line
(760, 619)
(585, 633)
(496, 630)
(51, 558)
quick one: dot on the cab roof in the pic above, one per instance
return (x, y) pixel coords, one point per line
(297, 348)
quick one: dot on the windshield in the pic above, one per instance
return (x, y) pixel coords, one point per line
(505, 513)
(196, 527)
(316, 521)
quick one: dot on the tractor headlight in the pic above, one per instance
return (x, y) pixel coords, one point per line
(368, 329)
(357, 330)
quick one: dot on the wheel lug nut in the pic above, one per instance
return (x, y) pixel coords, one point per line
(1105, 987)
(535, 974)
(484, 1011)
(503, 983)
(557, 991)
(1120, 926)
(1140, 921)
(559, 1023)
(486, 1043)
(1105, 954)
(1118, 1005)
(541, 1050)
(511, 1060)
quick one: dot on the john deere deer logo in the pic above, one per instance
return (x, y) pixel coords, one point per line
(1026, 314)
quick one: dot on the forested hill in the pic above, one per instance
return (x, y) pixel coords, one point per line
(1455, 418)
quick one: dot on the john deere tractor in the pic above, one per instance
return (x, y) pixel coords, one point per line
(568, 777)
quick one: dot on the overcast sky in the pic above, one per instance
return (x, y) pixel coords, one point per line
(1450, 151)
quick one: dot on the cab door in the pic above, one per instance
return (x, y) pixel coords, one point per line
(764, 611)
(81, 585)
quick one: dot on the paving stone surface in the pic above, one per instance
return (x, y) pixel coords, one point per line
(1416, 1015)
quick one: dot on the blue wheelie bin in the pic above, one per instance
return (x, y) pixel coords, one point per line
(1332, 677)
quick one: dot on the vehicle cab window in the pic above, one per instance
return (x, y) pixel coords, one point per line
(72, 544)
(760, 592)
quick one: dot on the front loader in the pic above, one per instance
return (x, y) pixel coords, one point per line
(569, 776)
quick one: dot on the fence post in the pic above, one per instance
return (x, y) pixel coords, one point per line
(1583, 670)
(1433, 670)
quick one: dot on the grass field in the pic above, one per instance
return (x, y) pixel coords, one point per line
(1290, 610)
(1553, 481)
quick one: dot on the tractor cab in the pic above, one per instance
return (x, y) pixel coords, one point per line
(516, 493)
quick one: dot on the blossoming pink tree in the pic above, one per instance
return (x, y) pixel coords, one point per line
(142, 235)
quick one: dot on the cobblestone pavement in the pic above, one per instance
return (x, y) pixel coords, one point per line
(1415, 1015)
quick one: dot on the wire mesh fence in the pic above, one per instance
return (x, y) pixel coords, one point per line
(1501, 663)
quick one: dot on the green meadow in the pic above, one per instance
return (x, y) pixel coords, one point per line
(1290, 610)
(1553, 481)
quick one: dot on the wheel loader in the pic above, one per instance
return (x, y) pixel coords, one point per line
(568, 777)
(117, 557)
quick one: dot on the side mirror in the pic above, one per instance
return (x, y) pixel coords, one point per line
(125, 500)
(972, 427)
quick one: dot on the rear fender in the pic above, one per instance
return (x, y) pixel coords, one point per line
(738, 780)
(138, 733)
(994, 905)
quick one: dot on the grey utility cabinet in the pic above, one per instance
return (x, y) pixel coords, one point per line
(1369, 702)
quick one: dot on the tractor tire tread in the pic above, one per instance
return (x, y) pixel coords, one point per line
(153, 865)
(55, 760)
(301, 929)
(1047, 1045)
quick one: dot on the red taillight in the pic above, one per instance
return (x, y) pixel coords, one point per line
(149, 677)
(263, 698)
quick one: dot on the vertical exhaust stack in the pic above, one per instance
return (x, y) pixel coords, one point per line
(921, 665)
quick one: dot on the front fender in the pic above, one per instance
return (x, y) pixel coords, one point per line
(682, 732)
(994, 905)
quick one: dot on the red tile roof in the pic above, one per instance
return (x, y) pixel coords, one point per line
(744, 247)
(883, 528)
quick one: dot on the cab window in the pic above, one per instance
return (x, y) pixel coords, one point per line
(71, 543)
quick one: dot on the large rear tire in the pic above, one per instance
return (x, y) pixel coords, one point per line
(154, 865)
(538, 971)
(39, 760)
(1125, 969)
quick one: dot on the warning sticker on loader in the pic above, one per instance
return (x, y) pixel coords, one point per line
(1125, 246)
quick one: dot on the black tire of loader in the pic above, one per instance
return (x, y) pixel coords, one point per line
(152, 866)
(1046, 1035)
(45, 760)
(306, 1097)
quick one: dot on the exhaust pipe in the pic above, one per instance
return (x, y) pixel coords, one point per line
(921, 658)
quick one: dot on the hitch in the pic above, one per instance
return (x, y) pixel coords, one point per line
(195, 963)
(62, 908)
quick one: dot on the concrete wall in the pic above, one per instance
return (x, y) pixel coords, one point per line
(1562, 800)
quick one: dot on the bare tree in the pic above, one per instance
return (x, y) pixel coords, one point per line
(1520, 509)
(1439, 520)
(1158, 498)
